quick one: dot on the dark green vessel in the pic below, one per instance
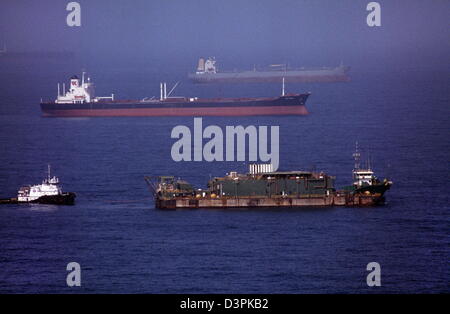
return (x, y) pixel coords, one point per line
(262, 187)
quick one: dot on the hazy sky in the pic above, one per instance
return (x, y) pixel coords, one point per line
(294, 30)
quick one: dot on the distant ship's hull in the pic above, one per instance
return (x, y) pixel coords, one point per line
(67, 198)
(37, 55)
(284, 105)
(339, 74)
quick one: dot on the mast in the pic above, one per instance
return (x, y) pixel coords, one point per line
(282, 90)
(48, 172)
(369, 161)
(356, 156)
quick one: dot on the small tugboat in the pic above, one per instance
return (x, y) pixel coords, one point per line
(263, 187)
(49, 192)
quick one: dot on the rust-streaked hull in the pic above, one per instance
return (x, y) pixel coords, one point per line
(267, 202)
(160, 112)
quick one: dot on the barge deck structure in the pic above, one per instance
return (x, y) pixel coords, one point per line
(262, 187)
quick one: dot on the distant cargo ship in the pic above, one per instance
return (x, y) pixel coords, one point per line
(36, 54)
(80, 101)
(207, 72)
(262, 187)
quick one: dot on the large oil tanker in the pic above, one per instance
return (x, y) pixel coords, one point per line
(261, 187)
(80, 101)
(207, 72)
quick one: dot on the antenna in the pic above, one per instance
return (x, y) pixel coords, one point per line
(48, 171)
(59, 94)
(370, 162)
(356, 156)
(282, 90)
(173, 88)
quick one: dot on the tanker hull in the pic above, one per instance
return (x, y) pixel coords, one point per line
(284, 105)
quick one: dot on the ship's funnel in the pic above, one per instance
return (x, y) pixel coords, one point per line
(74, 82)
(201, 65)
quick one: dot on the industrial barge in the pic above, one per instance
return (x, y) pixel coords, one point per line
(262, 187)
(80, 101)
(207, 72)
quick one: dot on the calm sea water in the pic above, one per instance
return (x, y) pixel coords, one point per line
(398, 114)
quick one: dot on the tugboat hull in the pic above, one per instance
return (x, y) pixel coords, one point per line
(376, 189)
(60, 199)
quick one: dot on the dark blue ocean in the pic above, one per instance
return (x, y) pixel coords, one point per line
(399, 114)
